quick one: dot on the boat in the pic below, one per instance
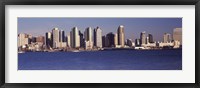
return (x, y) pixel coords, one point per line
(75, 51)
(21, 52)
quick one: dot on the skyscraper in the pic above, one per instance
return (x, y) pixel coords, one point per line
(129, 42)
(81, 39)
(110, 39)
(88, 34)
(88, 37)
(143, 38)
(62, 36)
(75, 38)
(177, 34)
(115, 40)
(120, 33)
(147, 40)
(137, 42)
(48, 39)
(150, 38)
(166, 38)
(98, 37)
(22, 40)
(104, 41)
(68, 41)
(55, 33)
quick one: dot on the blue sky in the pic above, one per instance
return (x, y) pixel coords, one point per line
(133, 26)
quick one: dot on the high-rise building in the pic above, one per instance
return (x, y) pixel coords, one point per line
(62, 36)
(177, 35)
(98, 37)
(75, 38)
(29, 38)
(137, 42)
(48, 40)
(68, 41)
(150, 38)
(55, 33)
(81, 39)
(22, 39)
(115, 40)
(110, 39)
(129, 42)
(103, 41)
(143, 38)
(120, 33)
(166, 38)
(88, 36)
(147, 40)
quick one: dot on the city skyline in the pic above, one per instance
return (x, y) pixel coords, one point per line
(132, 26)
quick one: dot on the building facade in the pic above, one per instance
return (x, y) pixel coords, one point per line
(55, 33)
(81, 39)
(143, 38)
(88, 36)
(48, 39)
(121, 36)
(22, 40)
(177, 35)
(150, 38)
(98, 37)
(166, 38)
(110, 39)
(75, 38)
(62, 36)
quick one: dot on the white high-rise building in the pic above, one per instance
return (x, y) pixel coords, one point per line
(147, 40)
(56, 42)
(167, 38)
(22, 40)
(75, 38)
(98, 37)
(88, 37)
(177, 35)
(115, 40)
(121, 36)
(68, 41)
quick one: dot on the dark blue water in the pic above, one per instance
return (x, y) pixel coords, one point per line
(102, 60)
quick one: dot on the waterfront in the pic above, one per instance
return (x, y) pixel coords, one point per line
(102, 60)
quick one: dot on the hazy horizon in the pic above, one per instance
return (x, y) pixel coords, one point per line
(132, 26)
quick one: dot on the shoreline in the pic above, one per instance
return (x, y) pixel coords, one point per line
(108, 49)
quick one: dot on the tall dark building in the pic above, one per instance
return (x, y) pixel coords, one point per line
(110, 39)
(62, 36)
(33, 39)
(81, 39)
(104, 41)
(150, 38)
(48, 39)
(137, 42)
(94, 33)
